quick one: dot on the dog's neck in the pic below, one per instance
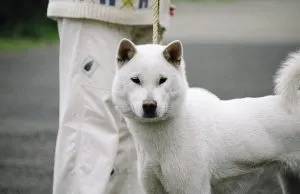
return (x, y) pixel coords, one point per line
(156, 138)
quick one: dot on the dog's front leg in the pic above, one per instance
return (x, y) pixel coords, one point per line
(148, 172)
(205, 187)
(150, 180)
(198, 182)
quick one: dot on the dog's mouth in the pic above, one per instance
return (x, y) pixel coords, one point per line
(150, 120)
(150, 115)
(155, 117)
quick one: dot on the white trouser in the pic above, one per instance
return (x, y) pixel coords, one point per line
(93, 141)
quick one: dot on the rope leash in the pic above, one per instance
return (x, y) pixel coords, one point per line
(155, 8)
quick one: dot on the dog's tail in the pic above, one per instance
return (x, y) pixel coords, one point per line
(287, 80)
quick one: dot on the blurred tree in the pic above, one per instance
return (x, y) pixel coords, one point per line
(24, 18)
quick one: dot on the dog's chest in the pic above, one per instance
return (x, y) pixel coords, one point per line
(174, 170)
(174, 156)
(174, 177)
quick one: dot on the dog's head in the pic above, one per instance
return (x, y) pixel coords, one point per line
(150, 82)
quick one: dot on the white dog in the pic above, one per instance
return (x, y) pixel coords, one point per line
(191, 142)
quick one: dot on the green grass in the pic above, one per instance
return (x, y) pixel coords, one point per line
(13, 44)
(28, 35)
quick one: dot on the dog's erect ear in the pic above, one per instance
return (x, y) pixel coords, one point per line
(173, 52)
(126, 51)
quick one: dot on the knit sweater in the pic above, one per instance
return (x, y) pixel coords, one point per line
(127, 12)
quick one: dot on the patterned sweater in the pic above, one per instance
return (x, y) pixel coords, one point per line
(128, 12)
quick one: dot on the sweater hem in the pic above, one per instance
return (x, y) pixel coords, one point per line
(85, 10)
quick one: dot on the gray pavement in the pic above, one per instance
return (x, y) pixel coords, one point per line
(28, 120)
(247, 21)
(228, 66)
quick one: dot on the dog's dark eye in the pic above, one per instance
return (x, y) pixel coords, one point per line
(162, 80)
(136, 80)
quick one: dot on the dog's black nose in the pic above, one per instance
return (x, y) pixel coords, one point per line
(149, 107)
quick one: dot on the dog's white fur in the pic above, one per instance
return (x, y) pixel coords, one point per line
(199, 144)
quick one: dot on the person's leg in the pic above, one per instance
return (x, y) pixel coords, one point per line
(88, 134)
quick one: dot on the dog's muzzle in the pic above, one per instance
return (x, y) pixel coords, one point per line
(149, 108)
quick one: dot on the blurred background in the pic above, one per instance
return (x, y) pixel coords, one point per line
(232, 48)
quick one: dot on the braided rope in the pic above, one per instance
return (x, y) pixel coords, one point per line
(156, 22)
